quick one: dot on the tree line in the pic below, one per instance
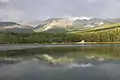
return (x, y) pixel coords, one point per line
(110, 35)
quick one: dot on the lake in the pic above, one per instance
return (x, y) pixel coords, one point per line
(89, 62)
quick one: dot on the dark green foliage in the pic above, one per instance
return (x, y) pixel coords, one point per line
(111, 35)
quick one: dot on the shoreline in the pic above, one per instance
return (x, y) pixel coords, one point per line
(33, 46)
(61, 43)
(90, 43)
(102, 42)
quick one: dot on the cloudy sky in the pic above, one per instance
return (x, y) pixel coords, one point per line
(28, 10)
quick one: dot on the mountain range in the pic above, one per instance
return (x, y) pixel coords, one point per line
(56, 25)
(14, 27)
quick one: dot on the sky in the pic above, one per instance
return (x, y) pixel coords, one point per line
(31, 10)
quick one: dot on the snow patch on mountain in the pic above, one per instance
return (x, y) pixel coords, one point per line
(101, 23)
(94, 25)
(72, 23)
(80, 18)
(89, 26)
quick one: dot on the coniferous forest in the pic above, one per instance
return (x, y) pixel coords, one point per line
(110, 35)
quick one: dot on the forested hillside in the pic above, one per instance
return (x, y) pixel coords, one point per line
(110, 35)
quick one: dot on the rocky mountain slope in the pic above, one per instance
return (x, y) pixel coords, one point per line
(56, 24)
(70, 24)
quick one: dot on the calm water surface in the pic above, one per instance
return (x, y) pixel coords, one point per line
(91, 62)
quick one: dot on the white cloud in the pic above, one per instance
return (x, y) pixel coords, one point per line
(92, 0)
(4, 1)
(9, 14)
(108, 8)
(40, 9)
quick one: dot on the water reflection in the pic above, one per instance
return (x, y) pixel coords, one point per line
(89, 63)
(75, 52)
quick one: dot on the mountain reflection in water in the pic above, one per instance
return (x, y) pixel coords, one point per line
(89, 63)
